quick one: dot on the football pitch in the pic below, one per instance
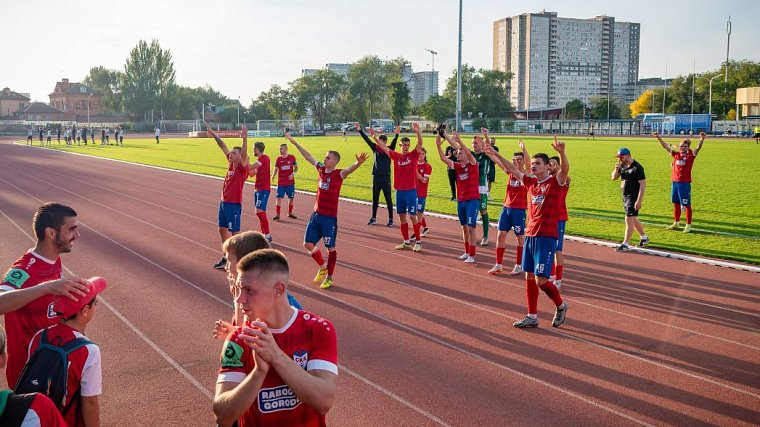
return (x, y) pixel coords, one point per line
(724, 193)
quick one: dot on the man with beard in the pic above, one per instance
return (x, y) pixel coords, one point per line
(28, 288)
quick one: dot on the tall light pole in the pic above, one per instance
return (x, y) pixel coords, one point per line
(728, 47)
(693, 78)
(710, 101)
(459, 73)
(238, 111)
(88, 110)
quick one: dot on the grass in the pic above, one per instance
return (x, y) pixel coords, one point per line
(724, 192)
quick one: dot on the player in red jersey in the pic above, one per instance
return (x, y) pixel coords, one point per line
(85, 377)
(424, 170)
(231, 206)
(680, 194)
(261, 170)
(285, 168)
(27, 289)
(542, 233)
(559, 257)
(468, 196)
(41, 412)
(405, 184)
(281, 367)
(512, 215)
(323, 223)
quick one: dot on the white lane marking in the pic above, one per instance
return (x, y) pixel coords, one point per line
(660, 253)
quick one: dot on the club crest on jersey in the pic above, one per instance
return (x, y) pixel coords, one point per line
(301, 357)
(51, 313)
(464, 176)
(538, 199)
(514, 183)
(276, 399)
(324, 185)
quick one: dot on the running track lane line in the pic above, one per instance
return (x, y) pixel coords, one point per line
(661, 253)
(176, 365)
(401, 283)
(206, 392)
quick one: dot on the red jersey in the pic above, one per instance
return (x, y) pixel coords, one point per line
(682, 164)
(328, 191)
(311, 342)
(232, 190)
(85, 373)
(467, 182)
(517, 194)
(403, 169)
(263, 174)
(21, 325)
(544, 196)
(424, 169)
(285, 167)
(562, 201)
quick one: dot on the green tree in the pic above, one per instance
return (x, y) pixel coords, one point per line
(483, 91)
(316, 93)
(437, 108)
(107, 83)
(148, 79)
(599, 106)
(278, 101)
(400, 101)
(368, 81)
(258, 111)
(574, 109)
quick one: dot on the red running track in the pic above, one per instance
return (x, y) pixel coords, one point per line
(424, 339)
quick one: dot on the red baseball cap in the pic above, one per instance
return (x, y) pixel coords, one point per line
(66, 307)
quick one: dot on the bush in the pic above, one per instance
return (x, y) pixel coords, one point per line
(479, 123)
(494, 125)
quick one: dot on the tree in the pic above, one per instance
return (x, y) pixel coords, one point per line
(574, 110)
(650, 101)
(599, 106)
(148, 79)
(107, 83)
(278, 101)
(400, 101)
(258, 111)
(368, 81)
(483, 91)
(316, 93)
(437, 108)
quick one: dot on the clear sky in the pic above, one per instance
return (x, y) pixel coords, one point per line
(241, 47)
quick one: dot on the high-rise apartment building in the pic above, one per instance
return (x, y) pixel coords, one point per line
(425, 86)
(554, 60)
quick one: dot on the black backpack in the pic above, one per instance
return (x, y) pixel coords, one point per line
(47, 371)
(16, 407)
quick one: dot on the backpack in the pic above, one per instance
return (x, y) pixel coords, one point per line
(47, 371)
(16, 407)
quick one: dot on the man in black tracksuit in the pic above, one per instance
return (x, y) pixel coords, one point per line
(381, 174)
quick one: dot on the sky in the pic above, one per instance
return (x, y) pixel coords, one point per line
(242, 47)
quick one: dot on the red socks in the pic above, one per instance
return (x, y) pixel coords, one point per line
(317, 255)
(290, 209)
(467, 248)
(677, 211)
(472, 250)
(688, 214)
(332, 257)
(417, 231)
(278, 209)
(423, 222)
(518, 256)
(552, 292)
(264, 222)
(558, 276)
(531, 294)
(499, 255)
(405, 231)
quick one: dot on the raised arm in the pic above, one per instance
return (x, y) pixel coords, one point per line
(360, 158)
(664, 144)
(244, 159)
(699, 144)
(379, 143)
(526, 155)
(364, 136)
(396, 131)
(444, 159)
(306, 155)
(564, 163)
(505, 164)
(219, 142)
(470, 158)
(416, 127)
(616, 171)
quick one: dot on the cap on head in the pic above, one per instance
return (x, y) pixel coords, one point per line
(65, 307)
(623, 152)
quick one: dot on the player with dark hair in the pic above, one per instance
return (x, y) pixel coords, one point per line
(680, 193)
(424, 170)
(381, 173)
(260, 169)
(285, 168)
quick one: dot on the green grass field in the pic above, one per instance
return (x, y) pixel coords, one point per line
(724, 193)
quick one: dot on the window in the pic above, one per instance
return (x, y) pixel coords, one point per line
(82, 89)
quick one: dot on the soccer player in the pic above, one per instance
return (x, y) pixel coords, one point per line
(381, 173)
(158, 133)
(405, 184)
(492, 171)
(285, 168)
(424, 170)
(633, 182)
(260, 169)
(121, 137)
(42, 130)
(84, 135)
(466, 168)
(451, 154)
(29, 133)
(59, 135)
(559, 257)
(323, 223)
(541, 234)
(231, 207)
(756, 135)
(280, 368)
(49, 136)
(27, 289)
(680, 193)
(512, 215)
(485, 166)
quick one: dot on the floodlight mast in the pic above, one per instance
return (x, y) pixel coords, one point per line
(433, 54)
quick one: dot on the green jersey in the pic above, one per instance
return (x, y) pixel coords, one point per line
(485, 165)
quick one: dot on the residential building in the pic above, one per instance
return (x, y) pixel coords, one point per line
(554, 60)
(425, 86)
(747, 102)
(41, 112)
(75, 100)
(12, 103)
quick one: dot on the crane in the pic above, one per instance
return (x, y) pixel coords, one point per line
(433, 54)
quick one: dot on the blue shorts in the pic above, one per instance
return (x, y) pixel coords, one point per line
(561, 233)
(260, 199)
(538, 255)
(468, 212)
(321, 227)
(421, 204)
(512, 219)
(406, 201)
(681, 193)
(282, 190)
(229, 216)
